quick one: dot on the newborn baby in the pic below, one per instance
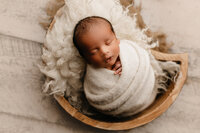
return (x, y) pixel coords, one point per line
(95, 40)
(119, 79)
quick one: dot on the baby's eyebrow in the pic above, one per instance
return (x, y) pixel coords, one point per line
(108, 39)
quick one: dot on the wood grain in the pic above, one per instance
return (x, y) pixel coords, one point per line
(156, 109)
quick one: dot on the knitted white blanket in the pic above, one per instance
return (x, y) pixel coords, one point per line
(127, 94)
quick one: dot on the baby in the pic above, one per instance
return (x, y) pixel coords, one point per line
(124, 95)
(96, 41)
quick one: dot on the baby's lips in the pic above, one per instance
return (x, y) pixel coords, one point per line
(108, 59)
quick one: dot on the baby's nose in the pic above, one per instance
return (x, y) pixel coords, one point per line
(104, 51)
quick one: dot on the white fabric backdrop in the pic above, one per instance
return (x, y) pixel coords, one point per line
(23, 108)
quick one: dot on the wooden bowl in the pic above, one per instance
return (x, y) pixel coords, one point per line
(160, 105)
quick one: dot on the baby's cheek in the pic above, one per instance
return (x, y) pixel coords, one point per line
(97, 61)
(116, 50)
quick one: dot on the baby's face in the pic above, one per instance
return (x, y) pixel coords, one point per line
(100, 46)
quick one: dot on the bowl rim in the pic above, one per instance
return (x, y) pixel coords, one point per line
(143, 119)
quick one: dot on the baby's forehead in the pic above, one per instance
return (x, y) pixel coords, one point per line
(102, 22)
(95, 28)
(99, 26)
(88, 24)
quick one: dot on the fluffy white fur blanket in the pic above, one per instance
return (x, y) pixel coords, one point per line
(127, 94)
(63, 66)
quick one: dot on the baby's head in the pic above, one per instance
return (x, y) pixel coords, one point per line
(95, 40)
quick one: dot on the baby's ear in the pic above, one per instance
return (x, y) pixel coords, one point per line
(87, 60)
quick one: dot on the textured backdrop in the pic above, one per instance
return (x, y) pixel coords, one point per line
(23, 107)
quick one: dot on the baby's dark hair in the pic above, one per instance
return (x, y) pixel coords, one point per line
(84, 25)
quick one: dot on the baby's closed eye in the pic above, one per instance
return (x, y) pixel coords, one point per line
(93, 51)
(108, 41)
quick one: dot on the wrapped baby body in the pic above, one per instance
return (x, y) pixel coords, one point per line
(127, 94)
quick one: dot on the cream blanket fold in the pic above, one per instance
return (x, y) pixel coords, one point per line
(127, 94)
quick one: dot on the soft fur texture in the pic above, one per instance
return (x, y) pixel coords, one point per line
(62, 63)
(63, 66)
(127, 94)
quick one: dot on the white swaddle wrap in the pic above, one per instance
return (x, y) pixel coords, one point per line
(127, 94)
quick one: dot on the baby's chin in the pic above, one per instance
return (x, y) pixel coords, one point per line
(111, 64)
(106, 65)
